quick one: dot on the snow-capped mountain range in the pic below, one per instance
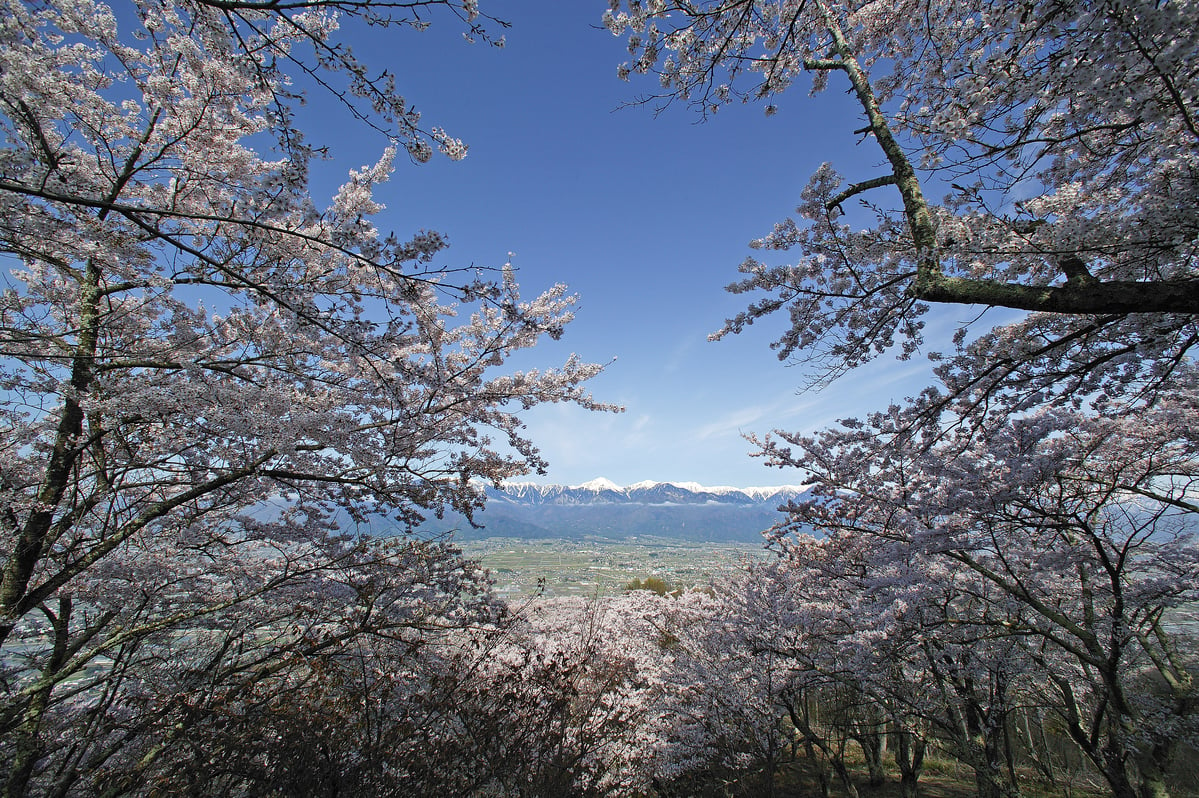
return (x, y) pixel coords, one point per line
(605, 491)
(601, 508)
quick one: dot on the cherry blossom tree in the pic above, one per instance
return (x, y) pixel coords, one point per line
(1026, 523)
(1065, 538)
(724, 720)
(866, 641)
(331, 688)
(1063, 136)
(207, 379)
(562, 704)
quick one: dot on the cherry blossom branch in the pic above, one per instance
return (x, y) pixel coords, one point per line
(134, 214)
(858, 188)
(932, 285)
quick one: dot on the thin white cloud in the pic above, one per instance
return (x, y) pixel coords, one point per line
(732, 422)
(755, 418)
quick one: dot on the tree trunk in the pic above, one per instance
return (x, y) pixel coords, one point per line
(838, 763)
(991, 782)
(28, 748)
(909, 758)
(800, 711)
(1038, 748)
(1154, 787)
(1152, 764)
(769, 768)
(823, 771)
(1116, 773)
(873, 743)
(30, 541)
(28, 744)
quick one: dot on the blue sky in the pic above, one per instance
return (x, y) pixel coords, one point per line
(645, 216)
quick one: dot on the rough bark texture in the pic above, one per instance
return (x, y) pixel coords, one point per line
(1170, 296)
(1082, 293)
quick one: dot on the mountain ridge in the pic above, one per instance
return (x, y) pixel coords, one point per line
(600, 508)
(603, 487)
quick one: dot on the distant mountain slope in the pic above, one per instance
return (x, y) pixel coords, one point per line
(603, 509)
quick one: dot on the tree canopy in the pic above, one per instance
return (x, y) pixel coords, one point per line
(208, 380)
(1063, 136)
(1022, 532)
(214, 393)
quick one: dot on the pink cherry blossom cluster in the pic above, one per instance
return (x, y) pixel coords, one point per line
(213, 391)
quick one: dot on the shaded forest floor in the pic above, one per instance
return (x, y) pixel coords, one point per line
(801, 779)
(942, 777)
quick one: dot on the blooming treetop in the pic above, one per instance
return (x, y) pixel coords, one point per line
(202, 371)
(1065, 136)
(1067, 537)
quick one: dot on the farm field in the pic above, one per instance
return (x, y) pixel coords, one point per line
(585, 567)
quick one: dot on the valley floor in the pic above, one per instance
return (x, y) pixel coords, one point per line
(587, 567)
